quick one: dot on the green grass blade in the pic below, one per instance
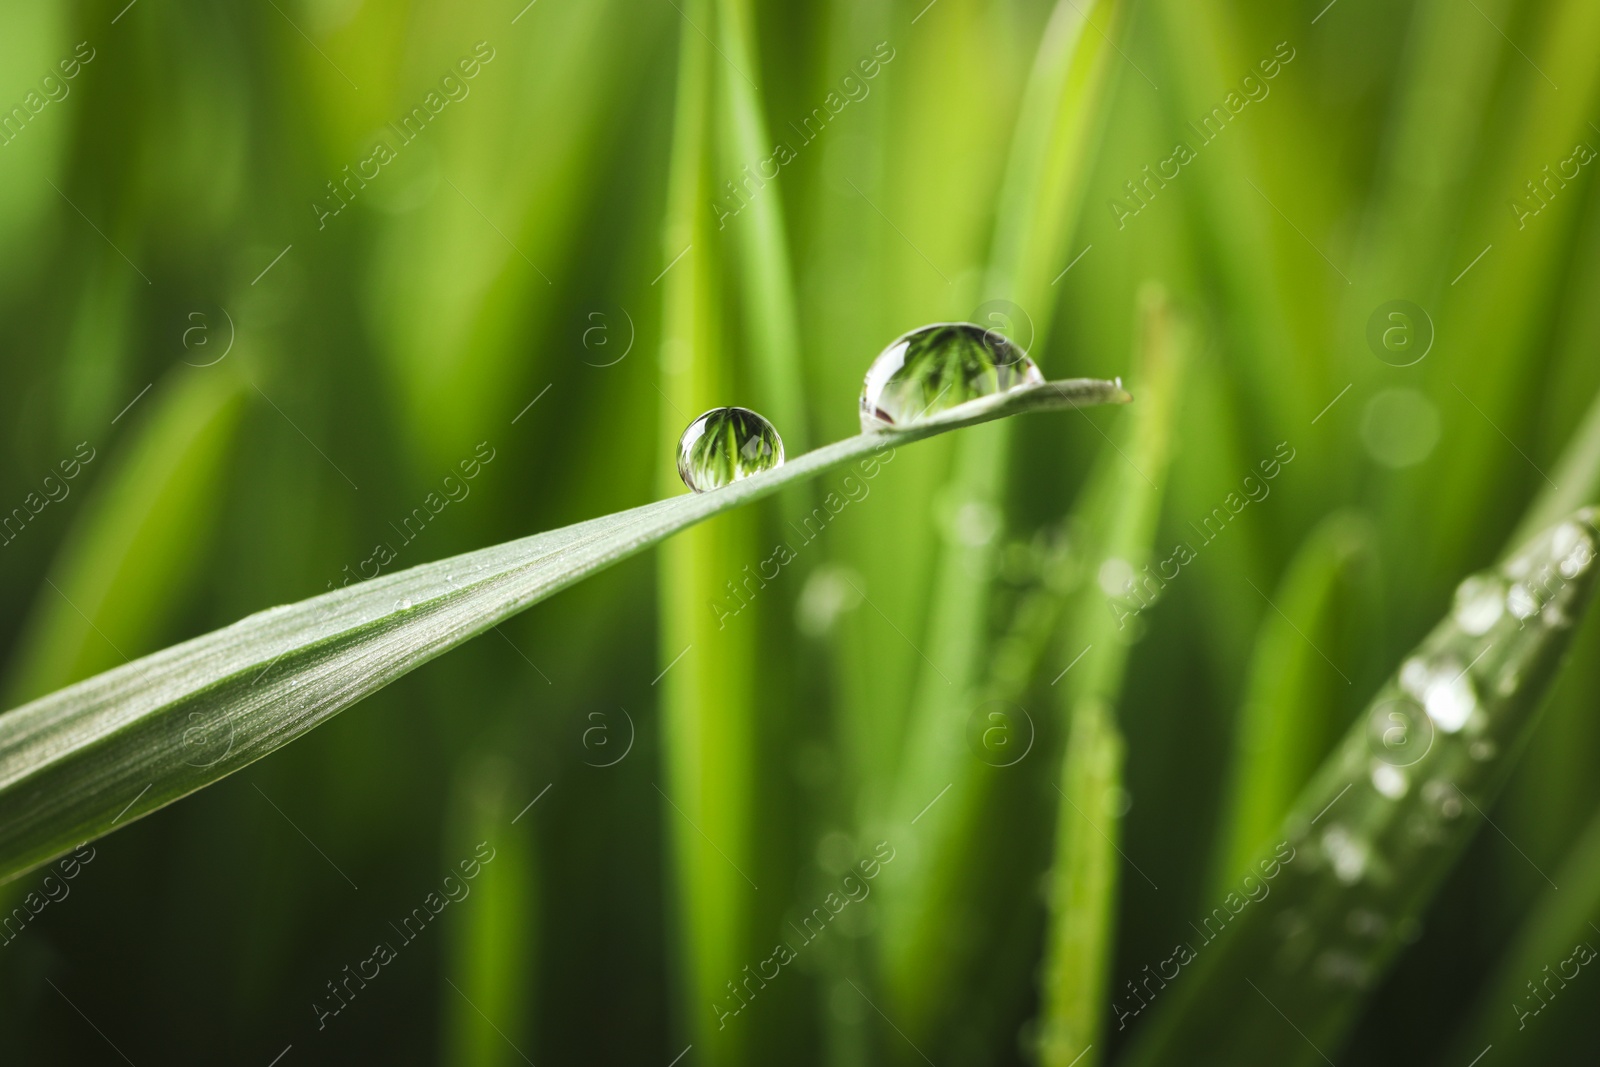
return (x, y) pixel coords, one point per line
(1296, 702)
(707, 705)
(1372, 836)
(1051, 147)
(488, 996)
(135, 554)
(759, 233)
(1576, 479)
(1551, 1025)
(1123, 508)
(99, 754)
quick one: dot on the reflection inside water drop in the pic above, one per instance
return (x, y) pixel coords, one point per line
(938, 367)
(725, 445)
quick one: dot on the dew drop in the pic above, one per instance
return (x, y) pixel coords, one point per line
(938, 367)
(1480, 602)
(1347, 854)
(1361, 922)
(1444, 690)
(1573, 548)
(1388, 780)
(725, 445)
(1520, 601)
(1482, 751)
(1115, 577)
(402, 605)
(1444, 796)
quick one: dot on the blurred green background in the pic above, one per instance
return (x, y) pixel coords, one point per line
(264, 350)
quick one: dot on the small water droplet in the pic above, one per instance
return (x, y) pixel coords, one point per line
(1444, 690)
(1520, 601)
(975, 523)
(1364, 923)
(725, 445)
(1388, 780)
(1574, 548)
(1115, 577)
(1444, 796)
(1480, 602)
(936, 368)
(1347, 854)
(403, 604)
(1344, 969)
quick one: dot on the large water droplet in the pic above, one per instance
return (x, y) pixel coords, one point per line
(1480, 602)
(1521, 601)
(1443, 688)
(938, 367)
(724, 445)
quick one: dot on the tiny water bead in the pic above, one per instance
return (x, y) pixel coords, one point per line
(1444, 689)
(724, 445)
(935, 368)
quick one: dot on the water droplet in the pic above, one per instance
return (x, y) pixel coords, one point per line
(1400, 427)
(1444, 796)
(1388, 780)
(725, 445)
(403, 604)
(1444, 690)
(1347, 854)
(829, 592)
(1119, 801)
(974, 523)
(1520, 601)
(1364, 923)
(1480, 601)
(1115, 577)
(1573, 548)
(938, 367)
(1344, 969)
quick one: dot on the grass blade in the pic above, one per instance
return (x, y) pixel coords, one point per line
(1508, 1008)
(1051, 147)
(1123, 509)
(1374, 833)
(78, 763)
(134, 555)
(773, 335)
(707, 687)
(493, 950)
(1296, 703)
